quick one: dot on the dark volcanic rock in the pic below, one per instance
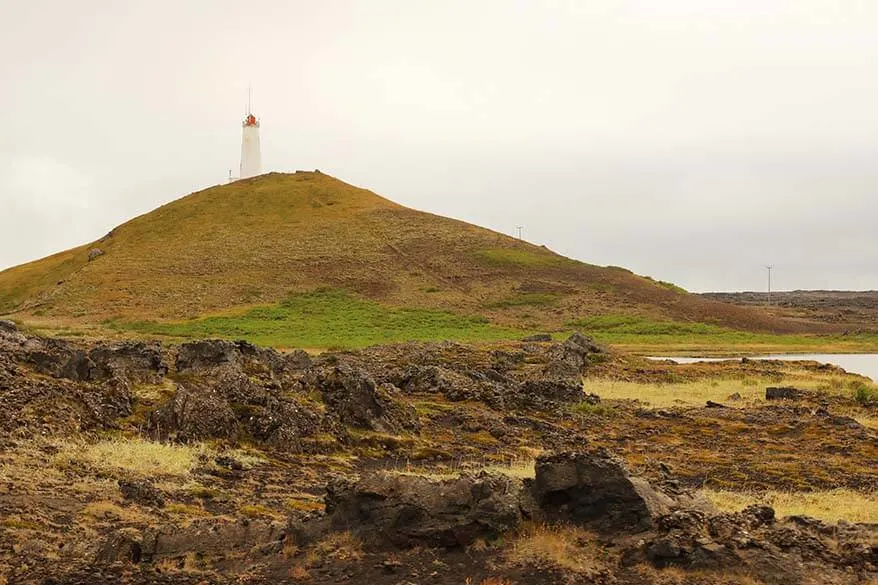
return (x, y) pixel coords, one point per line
(753, 541)
(407, 511)
(598, 489)
(8, 326)
(58, 358)
(542, 393)
(202, 537)
(142, 492)
(357, 401)
(138, 362)
(783, 393)
(211, 354)
(455, 386)
(207, 353)
(194, 415)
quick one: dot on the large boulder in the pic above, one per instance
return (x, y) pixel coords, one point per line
(212, 354)
(205, 538)
(754, 542)
(571, 358)
(597, 489)
(194, 414)
(58, 358)
(453, 385)
(207, 354)
(409, 510)
(546, 393)
(359, 402)
(136, 361)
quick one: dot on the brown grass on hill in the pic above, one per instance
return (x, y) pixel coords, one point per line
(256, 241)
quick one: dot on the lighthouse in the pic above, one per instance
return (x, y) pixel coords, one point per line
(251, 157)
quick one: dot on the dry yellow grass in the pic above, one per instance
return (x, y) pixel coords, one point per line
(518, 468)
(687, 393)
(830, 505)
(567, 548)
(698, 392)
(107, 511)
(338, 546)
(134, 456)
(521, 469)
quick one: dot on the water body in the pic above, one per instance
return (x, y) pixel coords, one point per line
(865, 364)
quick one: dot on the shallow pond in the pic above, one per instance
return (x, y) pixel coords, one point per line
(865, 364)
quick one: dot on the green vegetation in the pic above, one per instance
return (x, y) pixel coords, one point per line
(644, 334)
(517, 257)
(618, 324)
(863, 393)
(328, 318)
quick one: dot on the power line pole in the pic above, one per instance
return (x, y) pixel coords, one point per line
(518, 227)
(769, 284)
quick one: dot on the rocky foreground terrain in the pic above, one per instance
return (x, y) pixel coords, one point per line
(221, 462)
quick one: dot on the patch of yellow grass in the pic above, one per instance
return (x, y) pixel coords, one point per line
(682, 394)
(521, 469)
(258, 511)
(829, 505)
(568, 548)
(136, 456)
(112, 512)
(868, 421)
(339, 546)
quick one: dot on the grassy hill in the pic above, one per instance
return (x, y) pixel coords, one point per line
(279, 255)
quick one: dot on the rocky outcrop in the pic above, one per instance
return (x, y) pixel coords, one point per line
(201, 537)
(194, 415)
(592, 489)
(359, 402)
(753, 541)
(210, 354)
(407, 510)
(134, 361)
(142, 492)
(537, 376)
(597, 489)
(783, 393)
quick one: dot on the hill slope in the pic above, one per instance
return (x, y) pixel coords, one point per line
(258, 241)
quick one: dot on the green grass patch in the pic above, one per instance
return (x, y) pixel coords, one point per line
(644, 334)
(525, 300)
(517, 257)
(328, 319)
(619, 324)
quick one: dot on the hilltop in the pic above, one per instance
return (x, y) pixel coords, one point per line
(279, 246)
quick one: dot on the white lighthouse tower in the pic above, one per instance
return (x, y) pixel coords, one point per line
(251, 156)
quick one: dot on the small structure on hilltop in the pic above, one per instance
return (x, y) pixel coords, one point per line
(251, 155)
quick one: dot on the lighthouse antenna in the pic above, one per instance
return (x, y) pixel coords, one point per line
(249, 99)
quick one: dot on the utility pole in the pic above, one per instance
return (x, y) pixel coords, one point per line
(769, 284)
(518, 227)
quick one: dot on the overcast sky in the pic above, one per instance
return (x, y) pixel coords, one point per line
(694, 141)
